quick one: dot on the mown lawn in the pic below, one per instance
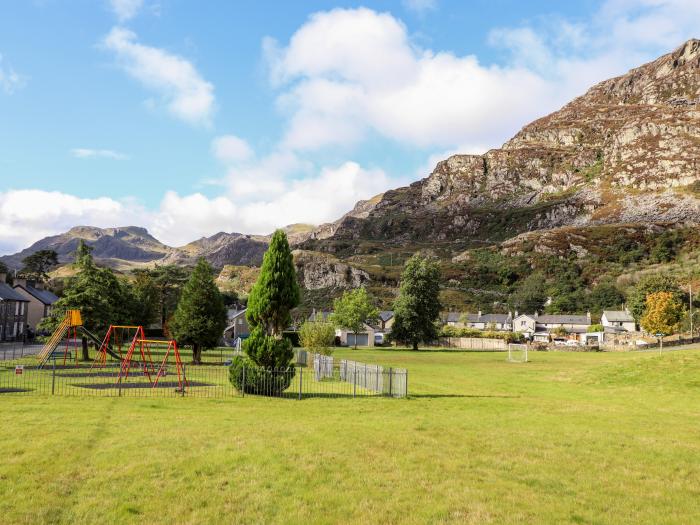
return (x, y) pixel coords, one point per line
(566, 438)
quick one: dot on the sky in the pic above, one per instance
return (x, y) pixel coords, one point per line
(190, 117)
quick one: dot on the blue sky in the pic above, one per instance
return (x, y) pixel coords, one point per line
(194, 117)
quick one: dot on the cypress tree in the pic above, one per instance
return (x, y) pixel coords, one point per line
(200, 316)
(276, 291)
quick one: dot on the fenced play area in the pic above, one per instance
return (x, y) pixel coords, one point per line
(125, 363)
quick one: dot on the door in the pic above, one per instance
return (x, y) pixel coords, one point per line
(362, 340)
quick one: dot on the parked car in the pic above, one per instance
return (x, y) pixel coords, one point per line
(571, 342)
(560, 342)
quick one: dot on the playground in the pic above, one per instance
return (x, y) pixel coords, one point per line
(125, 363)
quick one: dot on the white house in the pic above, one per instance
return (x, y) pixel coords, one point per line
(364, 337)
(479, 321)
(618, 321)
(538, 327)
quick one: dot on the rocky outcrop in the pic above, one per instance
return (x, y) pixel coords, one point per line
(316, 271)
(615, 154)
(221, 249)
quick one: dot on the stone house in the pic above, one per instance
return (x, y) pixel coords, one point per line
(237, 327)
(40, 301)
(13, 313)
(479, 321)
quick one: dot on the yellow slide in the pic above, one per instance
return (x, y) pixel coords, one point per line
(71, 319)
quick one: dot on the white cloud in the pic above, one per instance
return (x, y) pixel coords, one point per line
(348, 74)
(126, 9)
(87, 153)
(186, 94)
(229, 148)
(420, 6)
(10, 80)
(28, 215)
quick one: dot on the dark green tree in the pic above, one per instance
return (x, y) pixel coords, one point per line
(605, 295)
(37, 265)
(417, 308)
(200, 317)
(530, 295)
(168, 281)
(276, 291)
(268, 369)
(353, 309)
(146, 299)
(102, 298)
(647, 285)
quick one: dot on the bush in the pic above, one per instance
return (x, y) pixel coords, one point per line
(453, 331)
(268, 351)
(317, 336)
(248, 377)
(595, 328)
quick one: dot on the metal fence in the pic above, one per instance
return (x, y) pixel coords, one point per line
(24, 376)
(392, 382)
(17, 350)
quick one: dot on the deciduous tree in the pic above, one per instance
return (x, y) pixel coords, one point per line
(353, 309)
(417, 308)
(663, 313)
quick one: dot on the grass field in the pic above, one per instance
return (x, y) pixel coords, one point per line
(566, 438)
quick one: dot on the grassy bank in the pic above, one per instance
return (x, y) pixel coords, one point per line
(566, 438)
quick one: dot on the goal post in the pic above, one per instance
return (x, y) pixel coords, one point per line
(517, 353)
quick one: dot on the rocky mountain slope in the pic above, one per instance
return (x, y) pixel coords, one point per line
(627, 151)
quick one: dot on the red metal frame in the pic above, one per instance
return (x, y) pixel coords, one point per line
(113, 337)
(172, 346)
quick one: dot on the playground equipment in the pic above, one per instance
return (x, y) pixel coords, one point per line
(116, 337)
(144, 346)
(68, 330)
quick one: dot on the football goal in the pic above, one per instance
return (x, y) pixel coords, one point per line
(517, 353)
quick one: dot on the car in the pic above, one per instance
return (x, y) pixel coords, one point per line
(641, 342)
(559, 342)
(571, 342)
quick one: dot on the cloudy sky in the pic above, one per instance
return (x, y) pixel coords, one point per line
(191, 117)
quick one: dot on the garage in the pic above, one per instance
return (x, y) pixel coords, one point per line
(362, 339)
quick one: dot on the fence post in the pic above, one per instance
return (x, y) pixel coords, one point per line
(301, 380)
(183, 380)
(406, 383)
(243, 380)
(354, 382)
(53, 377)
(391, 376)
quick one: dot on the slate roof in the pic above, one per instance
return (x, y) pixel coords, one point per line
(385, 315)
(489, 318)
(563, 319)
(7, 293)
(618, 316)
(45, 296)
(453, 317)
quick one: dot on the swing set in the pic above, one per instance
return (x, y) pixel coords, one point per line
(125, 344)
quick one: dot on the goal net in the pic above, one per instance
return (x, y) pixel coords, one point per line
(517, 353)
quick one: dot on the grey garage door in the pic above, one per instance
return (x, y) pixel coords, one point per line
(362, 340)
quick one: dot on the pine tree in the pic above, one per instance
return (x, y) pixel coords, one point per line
(200, 317)
(417, 308)
(276, 291)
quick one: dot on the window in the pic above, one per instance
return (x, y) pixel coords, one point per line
(240, 321)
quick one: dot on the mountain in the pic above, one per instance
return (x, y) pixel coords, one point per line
(130, 243)
(601, 191)
(627, 151)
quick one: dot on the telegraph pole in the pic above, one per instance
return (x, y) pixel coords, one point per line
(690, 304)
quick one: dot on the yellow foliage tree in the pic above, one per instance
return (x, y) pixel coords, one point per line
(662, 314)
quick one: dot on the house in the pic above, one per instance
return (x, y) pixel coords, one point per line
(385, 321)
(320, 316)
(618, 321)
(364, 337)
(40, 301)
(237, 327)
(13, 312)
(454, 319)
(479, 321)
(539, 327)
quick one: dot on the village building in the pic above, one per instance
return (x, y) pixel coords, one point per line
(40, 304)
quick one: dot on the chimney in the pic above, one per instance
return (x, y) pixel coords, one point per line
(588, 314)
(20, 282)
(39, 285)
(3, 277)
(479, 314)
(516, 314)
(536, 314)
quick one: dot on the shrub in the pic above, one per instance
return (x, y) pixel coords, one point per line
(250, 378)
(317, 336)
(595, 328)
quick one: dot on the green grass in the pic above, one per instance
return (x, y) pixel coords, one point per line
(566, 438)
